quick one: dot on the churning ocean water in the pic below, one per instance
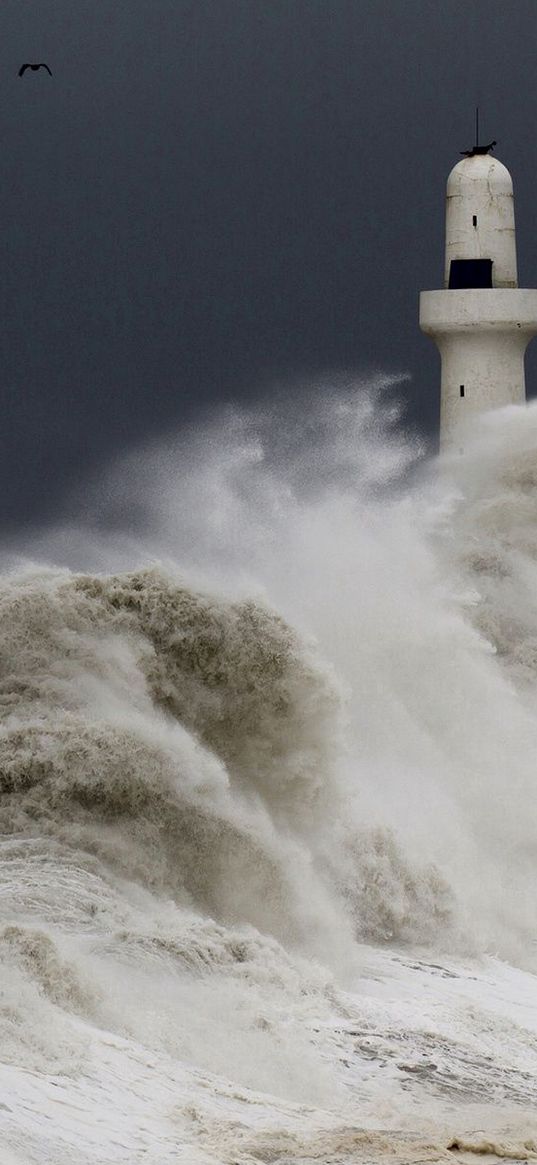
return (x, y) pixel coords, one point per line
(268, 812)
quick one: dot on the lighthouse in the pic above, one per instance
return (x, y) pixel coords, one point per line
(482, 320)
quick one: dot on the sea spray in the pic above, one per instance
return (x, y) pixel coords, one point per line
(319, 510)
(287, 710)
(190, 743)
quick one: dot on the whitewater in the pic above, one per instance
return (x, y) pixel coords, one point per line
(268, 811)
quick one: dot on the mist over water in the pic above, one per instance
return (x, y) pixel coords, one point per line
(271, 696)
(409, 596)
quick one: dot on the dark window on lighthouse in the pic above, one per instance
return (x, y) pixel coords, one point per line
(470, 273)
(474, 220)
(462, 389)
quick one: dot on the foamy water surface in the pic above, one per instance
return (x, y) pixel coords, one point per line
(268, 815)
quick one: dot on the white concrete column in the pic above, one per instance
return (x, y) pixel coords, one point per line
(482, 321)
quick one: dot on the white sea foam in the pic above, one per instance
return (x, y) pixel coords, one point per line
(271, 697)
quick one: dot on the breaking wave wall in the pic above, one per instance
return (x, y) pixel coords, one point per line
(282, 703)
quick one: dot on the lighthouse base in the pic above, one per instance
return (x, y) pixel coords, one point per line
(482, 334)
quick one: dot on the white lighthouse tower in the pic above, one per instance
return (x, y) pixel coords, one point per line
(481, 321)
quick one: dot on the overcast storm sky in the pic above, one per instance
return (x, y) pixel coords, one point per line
(211, 197)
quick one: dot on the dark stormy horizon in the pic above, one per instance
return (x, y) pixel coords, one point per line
(214, 201)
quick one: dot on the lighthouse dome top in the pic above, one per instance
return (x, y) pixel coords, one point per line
(480, 225)
(481, 169)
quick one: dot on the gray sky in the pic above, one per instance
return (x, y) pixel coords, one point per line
(212, 196)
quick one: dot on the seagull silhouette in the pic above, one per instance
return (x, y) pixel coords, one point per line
(34, 67)
(478, 150)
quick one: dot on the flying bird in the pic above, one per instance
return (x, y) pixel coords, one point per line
(34, 67)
